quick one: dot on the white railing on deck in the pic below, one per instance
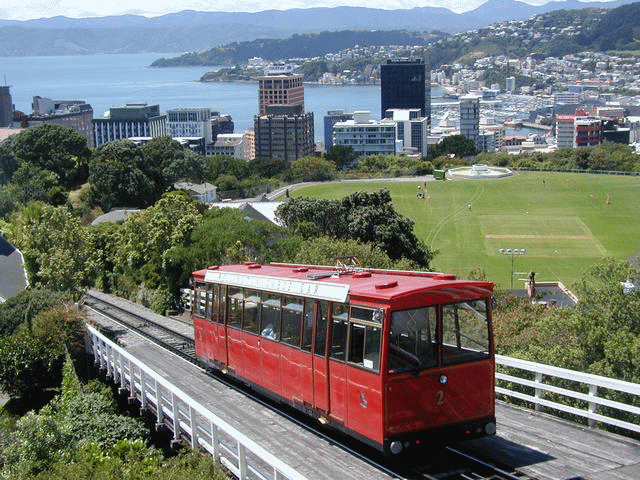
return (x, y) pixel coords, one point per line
(186, 418)
(592, 401)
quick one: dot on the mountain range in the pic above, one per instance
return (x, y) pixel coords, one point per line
(190, 30)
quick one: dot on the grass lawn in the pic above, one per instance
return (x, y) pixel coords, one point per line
(563, 221)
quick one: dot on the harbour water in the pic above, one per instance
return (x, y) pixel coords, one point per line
(106, 81)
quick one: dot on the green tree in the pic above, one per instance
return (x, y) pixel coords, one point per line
(312, 169)
(366, 217)
(54, 245)
(226, 165)
(54, 148)
(8, 161)
(146, 236)
(169, 162)
(324, 251)
(35, 446)
(457, 145)
(341, 155)
(119, 176)
(237, 239)
(28, 365)
(23, 307)
(268, 167)
(61, 325)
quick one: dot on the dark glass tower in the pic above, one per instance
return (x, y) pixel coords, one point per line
(6, 107)
(404, 84)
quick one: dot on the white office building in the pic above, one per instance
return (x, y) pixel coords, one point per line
(411, 129)
(366, 136)
(190, 122)
(232, 144)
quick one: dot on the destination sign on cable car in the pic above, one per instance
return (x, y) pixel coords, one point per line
(334, 292)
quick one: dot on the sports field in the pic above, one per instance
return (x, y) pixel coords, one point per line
(565, 222)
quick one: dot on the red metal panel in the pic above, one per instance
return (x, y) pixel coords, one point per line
(270, 364)
(220, 338)
(421, 402)
(320, 384)
(252, 357)
(200, 338)
(235, 350)
(306, 378)
(337, 391)
(296, 374)
(364, 394)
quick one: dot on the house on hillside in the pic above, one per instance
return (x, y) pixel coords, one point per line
(203, 192)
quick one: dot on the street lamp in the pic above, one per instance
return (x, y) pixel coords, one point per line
(512, 252)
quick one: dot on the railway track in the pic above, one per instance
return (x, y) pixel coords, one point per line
(443, 463)
(144, 325)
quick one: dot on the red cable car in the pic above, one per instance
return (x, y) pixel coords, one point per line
(392, 358)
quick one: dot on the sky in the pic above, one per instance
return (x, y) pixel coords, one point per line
(32, 9)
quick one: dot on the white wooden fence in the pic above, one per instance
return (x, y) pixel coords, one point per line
(187, 418)
(594, 384)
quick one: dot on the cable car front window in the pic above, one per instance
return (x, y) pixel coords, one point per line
(465, 332)
(412, 342)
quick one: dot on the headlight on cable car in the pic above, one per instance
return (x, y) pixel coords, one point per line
(395, 447)
(490, 428)
(443, 379)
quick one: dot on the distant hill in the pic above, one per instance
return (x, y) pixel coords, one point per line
(196, 31)
(306, 45)
(619, 29)
(554, 33)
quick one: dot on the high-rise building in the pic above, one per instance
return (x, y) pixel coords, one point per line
(287, 137)
(511, 84)
(564, 131)
(130, 120)
(282, 129)
(6, 107)
(587, 131)
(470, 117)
(280, 86)
(411, 128)
(405, 84)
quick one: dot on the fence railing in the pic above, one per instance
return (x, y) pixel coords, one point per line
(587, 391)
(187, 419)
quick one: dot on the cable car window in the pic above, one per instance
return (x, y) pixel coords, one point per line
(270, 316)
(321, 328)
(365, 335)
(291, 320)
(412, 341)
(251, 320)
(234, 307)
(465, 332)
(367, 314)
(340, 318)
(307, 327)
(223, 303)
(215, 297)
(200, 306)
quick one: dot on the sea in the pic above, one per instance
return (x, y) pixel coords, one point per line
(111, 80)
